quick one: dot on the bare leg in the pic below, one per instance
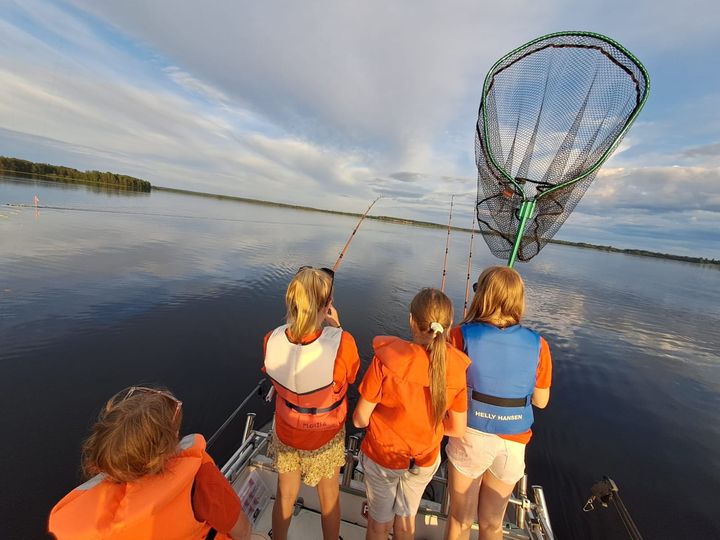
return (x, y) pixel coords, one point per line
(493, 501)
(377, 530)
(288, 485)
(463, 504)
(404, 528)
(329, 495)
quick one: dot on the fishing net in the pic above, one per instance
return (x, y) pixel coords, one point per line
(552, 112)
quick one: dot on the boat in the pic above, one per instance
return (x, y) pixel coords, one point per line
(251, 473)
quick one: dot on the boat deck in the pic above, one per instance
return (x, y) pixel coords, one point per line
(256, 487)
(305, 525)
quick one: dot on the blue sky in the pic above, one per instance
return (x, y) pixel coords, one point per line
(329, 103)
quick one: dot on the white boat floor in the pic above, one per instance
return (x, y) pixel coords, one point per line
(256, 488)
(304, 526)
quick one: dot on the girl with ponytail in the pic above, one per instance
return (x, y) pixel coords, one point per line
(412, 394)
(311, 361)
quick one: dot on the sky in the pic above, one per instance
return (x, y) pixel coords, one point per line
(330, 104)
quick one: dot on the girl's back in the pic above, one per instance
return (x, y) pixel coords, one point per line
(403, 423)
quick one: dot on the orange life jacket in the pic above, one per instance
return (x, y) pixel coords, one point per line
(303, 379)
(401, 429)
(154, 507)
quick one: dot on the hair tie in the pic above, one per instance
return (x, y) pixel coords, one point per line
(436, 328)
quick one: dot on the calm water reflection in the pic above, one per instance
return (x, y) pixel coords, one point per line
(108, 290)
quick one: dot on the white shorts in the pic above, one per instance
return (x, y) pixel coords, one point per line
(394, 492)
(477, 452)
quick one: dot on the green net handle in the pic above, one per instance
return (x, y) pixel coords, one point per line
(526, 211)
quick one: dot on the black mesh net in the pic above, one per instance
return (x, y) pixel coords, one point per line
(551, 114)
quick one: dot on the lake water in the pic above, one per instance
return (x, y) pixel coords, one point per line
(106, 290)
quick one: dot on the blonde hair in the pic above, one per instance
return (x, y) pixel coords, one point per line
(307, 293)
(499, 299)
(433, 306)
(133, 436)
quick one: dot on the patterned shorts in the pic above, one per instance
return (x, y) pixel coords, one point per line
(314, 465)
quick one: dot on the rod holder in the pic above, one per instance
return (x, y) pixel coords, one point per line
(520, 510)
(445, 503)
(350, 456)
(539, 497)
(249, 424)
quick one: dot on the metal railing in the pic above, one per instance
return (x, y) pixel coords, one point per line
(351, 458)
(255, 391)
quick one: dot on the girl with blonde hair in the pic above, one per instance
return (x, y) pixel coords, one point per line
(145, 482)
(412, 394)
(311, 361)
(511, 371)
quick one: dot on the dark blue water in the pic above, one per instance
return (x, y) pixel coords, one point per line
(108, 290)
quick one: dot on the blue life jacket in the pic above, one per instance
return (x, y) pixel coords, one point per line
(501, 378)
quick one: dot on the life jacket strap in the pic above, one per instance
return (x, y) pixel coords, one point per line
(499, 401)
(315, 410)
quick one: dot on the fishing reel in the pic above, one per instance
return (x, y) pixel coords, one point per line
(605, 492)
(601, 492)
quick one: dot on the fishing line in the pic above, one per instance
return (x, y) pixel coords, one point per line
(148, 214)
(447, 246)
(469, 267)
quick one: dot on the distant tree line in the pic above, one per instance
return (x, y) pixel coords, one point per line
(640, 252)
(58, 173)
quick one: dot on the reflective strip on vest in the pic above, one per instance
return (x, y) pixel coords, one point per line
(154, 506)
(504, 365)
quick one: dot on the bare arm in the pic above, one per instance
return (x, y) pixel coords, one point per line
(455, 423)
(363, 410)
(540, 397)
(241, 530)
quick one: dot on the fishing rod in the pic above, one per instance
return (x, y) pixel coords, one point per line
(447, 246)
(258, 388)
(352, 235)
(469, 267)
(255, 391)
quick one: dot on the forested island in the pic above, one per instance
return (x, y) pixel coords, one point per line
(68, 175)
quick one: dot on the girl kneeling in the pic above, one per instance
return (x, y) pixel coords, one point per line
(412, 394)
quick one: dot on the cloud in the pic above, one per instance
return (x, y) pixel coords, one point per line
(668, 209)
(405, 176)
(662, 189)
(372, 75)
(170, 128)
(194, 85)
(330, 104)
(688, 232)
(707, 150)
